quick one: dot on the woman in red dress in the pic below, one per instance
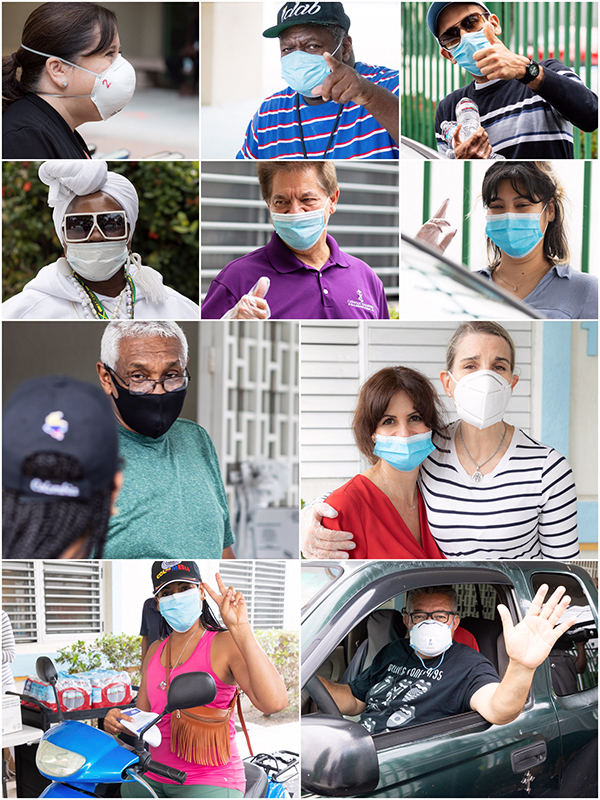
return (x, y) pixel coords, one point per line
(397, 412)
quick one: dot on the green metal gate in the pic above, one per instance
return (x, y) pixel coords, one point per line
(427, 76)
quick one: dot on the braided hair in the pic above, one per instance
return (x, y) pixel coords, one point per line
(44, 528)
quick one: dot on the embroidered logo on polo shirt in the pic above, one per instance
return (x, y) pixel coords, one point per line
(360, 303)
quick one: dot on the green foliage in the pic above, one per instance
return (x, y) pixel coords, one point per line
(394, 312)
(166, 235)
(282, 648)
(79, 657)
(121, 652)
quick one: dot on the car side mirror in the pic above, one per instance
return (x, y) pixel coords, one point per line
(46, 671)
(189, 690)
(338, 757)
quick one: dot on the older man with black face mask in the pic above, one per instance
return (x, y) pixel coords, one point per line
(334, 106)
(173, 500)
(431, 675)
(527, 109)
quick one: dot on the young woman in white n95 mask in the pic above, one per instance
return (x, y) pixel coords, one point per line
(66, 71)
(490, 490)
(95, 212)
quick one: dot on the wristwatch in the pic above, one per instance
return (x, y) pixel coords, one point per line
(532, 70)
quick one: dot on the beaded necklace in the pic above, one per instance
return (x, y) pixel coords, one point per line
(89, 299)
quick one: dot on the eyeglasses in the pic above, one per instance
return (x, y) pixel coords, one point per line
(137, 386)
(421, 616)
(451, 37)
(111, 224)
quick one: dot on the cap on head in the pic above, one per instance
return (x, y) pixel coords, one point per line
(435, 9)
(58, 414)
(294, 13)
(165, 572)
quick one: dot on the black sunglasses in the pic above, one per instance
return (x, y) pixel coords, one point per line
(472, 22)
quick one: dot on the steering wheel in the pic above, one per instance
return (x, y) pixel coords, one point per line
(325, 702)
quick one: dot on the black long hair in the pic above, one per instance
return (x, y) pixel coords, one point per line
(44, 528)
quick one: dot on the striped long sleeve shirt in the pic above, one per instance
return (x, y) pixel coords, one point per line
(274, 131)
(521, 123)
(9, 651)
(525, 508)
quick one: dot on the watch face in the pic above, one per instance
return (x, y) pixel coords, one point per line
(533, 70)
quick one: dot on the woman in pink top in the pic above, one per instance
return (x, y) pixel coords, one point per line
(198, 643)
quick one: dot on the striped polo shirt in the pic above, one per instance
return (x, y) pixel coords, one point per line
(274, 131)
(522, 123)
(525, 508)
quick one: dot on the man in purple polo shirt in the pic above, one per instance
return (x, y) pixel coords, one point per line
(302, 269)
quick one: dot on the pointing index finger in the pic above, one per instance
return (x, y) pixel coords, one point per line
(441, 212)
(331, 62)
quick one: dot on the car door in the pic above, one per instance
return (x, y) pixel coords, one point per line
(462, 756)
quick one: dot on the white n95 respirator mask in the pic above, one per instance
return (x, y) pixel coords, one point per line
(481, 398)
(430, 637)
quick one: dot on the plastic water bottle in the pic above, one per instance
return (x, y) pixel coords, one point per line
(448, 131)
(467, 116)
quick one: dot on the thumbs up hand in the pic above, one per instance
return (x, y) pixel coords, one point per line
(252, 305)
(497, 61)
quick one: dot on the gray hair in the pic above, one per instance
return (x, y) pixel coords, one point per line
(447, 591)
(126, 329)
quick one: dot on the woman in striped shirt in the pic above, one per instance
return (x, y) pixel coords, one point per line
(491, 491)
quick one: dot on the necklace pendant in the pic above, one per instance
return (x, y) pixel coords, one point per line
(477, 477)
(162, 686)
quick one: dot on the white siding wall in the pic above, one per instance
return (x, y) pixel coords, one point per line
(336, 359)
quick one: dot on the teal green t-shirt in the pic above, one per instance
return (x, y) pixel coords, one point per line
(173, 503)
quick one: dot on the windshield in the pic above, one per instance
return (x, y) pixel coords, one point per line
(315, 578)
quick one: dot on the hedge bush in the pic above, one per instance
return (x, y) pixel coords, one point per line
(283, 648)
(166, 235)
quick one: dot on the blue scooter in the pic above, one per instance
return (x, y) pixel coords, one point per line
(77, 758)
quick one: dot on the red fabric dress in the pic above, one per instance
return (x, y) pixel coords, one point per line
(379, 530)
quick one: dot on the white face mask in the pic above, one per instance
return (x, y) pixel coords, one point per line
(481, 397)
(113, 88)
(97, 261)
(430, 637)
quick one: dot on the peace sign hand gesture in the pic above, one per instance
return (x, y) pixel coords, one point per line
(530, 642)
(232, 605)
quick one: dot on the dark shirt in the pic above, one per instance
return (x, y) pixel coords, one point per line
(522, 123)
(31, 128)
(151, 622)
(398, 691)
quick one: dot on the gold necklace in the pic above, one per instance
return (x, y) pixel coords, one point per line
(163, 684)
(516, 286)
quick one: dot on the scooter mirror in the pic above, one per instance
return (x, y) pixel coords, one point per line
(189, 690)
(45, 669)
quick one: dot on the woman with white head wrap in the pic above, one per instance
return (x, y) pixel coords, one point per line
(95, 212)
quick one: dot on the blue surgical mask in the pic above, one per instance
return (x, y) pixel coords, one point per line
(404, 453)
(463, 53)
(517, 235)
(303, 71)
(181, 610)
(300, 231)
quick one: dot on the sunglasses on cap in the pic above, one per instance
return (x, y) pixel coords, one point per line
(473, 22)
(111, 224)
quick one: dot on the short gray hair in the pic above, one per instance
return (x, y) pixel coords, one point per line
(447, 591)
(126, 329)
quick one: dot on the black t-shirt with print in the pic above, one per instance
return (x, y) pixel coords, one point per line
(398, 691)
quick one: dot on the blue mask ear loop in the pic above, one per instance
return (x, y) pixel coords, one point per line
(335, 124)
(427, 669)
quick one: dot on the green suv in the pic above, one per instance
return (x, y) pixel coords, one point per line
(352, 608)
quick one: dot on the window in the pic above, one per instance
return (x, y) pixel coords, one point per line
(46, 600)
(263, 585)
(573, 660)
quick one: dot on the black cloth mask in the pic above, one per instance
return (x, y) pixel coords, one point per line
(149, 414)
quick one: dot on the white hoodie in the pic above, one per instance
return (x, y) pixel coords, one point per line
(53, 295)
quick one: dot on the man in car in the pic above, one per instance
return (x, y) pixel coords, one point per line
(428, 676)
(527, 109)
(333, 106)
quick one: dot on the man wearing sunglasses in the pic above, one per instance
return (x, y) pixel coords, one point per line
(527, 109)
(431, 674)
(94, 214)
(173, 500)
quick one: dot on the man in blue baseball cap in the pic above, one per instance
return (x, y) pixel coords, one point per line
(333, 106)
(527, 109)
